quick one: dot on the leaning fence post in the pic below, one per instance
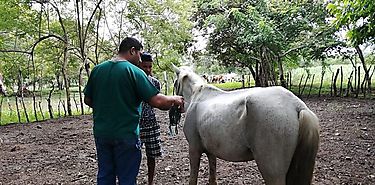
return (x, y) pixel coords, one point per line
(166, 82)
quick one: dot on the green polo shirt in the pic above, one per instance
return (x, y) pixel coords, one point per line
(117, 90)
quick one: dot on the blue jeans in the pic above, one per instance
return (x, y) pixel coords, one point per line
(119, 158)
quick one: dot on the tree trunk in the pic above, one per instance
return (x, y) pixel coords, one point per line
(253, 74)
(243, 81)
(362, 59)
(41, 94)
(281, 71)
(34, 87)
(80, 91)
(257, 77)
(22, 100)
(264, 68)
(60, 84)
(66, 80)
(97, 37)
(50, 109)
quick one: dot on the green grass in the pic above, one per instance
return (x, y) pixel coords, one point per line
(229, 85)
(296, 77)
(12, 117)
(9, 110)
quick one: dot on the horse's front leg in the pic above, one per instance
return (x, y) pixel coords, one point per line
(195, 157)
(212, 166)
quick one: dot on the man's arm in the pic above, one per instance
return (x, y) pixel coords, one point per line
(88, 101)
(163, 102)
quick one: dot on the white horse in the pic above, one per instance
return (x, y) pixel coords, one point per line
(269, 125)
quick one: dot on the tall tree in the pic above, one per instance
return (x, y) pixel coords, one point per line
(164, 27)
(357, 18)
(262, 35)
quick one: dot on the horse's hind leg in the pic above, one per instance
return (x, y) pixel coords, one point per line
(212, 166)
(195, 157)
(273, 164)
(272, 177)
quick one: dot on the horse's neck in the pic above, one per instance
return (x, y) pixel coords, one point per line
(205, 91)
(198, 90)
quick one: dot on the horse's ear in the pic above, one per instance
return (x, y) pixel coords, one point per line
(175, 69)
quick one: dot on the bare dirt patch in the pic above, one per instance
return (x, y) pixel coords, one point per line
(62, 151)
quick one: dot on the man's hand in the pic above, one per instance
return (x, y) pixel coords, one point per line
(179, 102)
(163, 102)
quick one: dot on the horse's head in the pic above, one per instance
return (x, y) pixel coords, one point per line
(186, 81)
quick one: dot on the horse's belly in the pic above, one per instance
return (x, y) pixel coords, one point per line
(235, 155)
(228, 149)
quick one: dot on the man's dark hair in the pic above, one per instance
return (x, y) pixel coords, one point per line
(146, 57)
(128, 43)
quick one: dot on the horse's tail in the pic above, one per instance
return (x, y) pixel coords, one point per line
(301, 168)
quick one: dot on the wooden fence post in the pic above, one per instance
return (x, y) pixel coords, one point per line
(312, 82)
(341, 80)
(299, 85)
(359, 81)
(335, 82)
(304, 85)
(349, 87)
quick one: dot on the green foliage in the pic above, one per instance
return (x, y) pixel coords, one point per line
(357, 16)
(243, 30)
(164, 27)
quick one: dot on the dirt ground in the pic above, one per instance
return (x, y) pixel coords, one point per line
(62, 151)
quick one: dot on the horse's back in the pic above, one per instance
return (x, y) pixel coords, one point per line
(234, 123)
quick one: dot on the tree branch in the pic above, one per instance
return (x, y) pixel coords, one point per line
(44, 38)
(15, 51)
(291, 50)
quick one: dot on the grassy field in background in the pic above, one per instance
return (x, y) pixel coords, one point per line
(9, 113)
(9, 109)
(296, 77)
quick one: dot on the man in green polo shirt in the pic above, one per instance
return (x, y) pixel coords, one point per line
(115, 91)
